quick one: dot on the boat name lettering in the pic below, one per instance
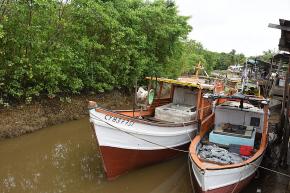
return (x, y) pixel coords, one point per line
(119, 120)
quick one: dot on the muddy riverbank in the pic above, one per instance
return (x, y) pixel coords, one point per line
(20, 119)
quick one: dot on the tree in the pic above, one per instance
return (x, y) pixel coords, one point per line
(194, 53)
(65, 47)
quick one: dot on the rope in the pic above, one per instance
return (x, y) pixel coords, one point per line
(274, 171)
(206, 107)
(262, 168)
(172, 148)
(190, 171)
(241, 174)
(189, 137)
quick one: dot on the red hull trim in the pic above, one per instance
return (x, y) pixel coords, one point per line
(117, 161)
(233, 188)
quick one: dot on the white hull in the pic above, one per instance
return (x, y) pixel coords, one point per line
(216, 179)
(121, 133)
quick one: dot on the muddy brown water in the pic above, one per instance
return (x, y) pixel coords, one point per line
(64, 159)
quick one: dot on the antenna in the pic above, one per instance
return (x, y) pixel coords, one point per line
(243, 75)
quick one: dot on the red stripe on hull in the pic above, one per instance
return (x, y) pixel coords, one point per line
(233, 188)
(117, 161)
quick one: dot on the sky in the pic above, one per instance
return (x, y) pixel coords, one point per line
(223, 25)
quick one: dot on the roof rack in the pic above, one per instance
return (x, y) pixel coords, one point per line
(238, 96)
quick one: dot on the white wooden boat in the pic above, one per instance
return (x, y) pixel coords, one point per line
(131, 139)
(212, 175)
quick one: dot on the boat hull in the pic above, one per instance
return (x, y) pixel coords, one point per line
(226, 180)
(127, 143)
(118, 161)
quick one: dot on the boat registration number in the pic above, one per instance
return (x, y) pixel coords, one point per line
(119, 120)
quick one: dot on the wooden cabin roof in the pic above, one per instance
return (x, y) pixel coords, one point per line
(185, 82)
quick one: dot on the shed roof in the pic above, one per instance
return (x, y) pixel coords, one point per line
(283, 57)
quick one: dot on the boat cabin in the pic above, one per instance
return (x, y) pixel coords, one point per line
(182, 107)
(181, 102)
(234, 135)
(231, 143)
(162, 124)
(236, 125)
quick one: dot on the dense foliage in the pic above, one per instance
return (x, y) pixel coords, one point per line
(266, 55)
(51, 47)
(195, 53)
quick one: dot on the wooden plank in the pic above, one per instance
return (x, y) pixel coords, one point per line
(286, 122)
(285, 28)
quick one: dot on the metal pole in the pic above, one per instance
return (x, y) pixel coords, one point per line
(267, 89)
(134, 96)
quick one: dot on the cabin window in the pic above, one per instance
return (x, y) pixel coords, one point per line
(185, 96)
(255, 121)
(165, 92)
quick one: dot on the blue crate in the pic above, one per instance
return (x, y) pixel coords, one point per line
(225, 139)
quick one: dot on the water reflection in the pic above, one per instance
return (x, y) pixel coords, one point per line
(64, 158)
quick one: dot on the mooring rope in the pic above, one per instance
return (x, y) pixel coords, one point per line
(206, 107)
(271, 170)
(190, 171)
(237, 184)
(154, 143)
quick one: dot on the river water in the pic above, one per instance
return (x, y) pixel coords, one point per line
(64, 159)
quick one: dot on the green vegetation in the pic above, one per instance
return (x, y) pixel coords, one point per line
(267, 55)
(55, 47)
(52, 47)
(194, 52)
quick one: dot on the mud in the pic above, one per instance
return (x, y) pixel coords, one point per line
(20, 119)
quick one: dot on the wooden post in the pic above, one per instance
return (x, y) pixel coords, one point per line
(201, 108)
(134, 97)
(198, 67)
(159, 93)
(198, 103)
(265, 127)
(172, 91)
(286, 122)
(149, 88)
(285, 92)
(160, 90)
(266, 91)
